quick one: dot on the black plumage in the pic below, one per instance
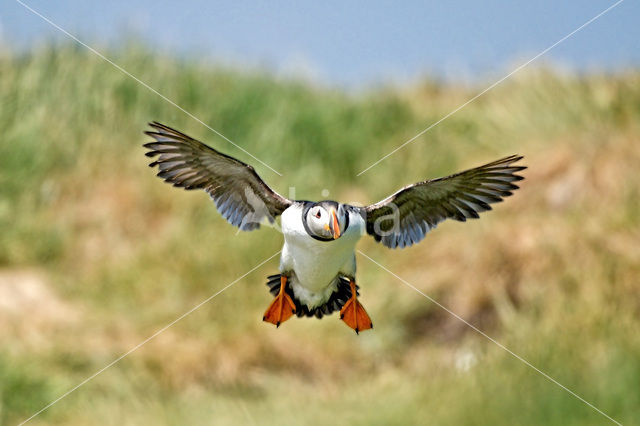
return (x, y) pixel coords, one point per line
(405, 217)
(335, 302)
(240, 195)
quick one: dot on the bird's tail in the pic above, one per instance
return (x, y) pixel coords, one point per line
(335, 302)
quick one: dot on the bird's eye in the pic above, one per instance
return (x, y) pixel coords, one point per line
(318, 214)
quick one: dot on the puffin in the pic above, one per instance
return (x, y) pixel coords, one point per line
(317, 272)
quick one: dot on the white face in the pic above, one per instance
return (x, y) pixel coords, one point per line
(327, 224)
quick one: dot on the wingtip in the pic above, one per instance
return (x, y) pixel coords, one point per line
(156, 130)
(157, 126)
(152, 124)
(514, 158)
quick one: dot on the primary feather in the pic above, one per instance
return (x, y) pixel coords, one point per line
(240, 195)
(405, 217)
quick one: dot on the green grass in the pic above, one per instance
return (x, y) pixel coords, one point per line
(107, 254)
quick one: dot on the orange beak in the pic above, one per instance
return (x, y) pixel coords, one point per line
(336, 225)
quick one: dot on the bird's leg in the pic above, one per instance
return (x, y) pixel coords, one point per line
(353, 314)
(282, 306)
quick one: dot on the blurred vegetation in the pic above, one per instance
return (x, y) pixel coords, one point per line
(96, 254)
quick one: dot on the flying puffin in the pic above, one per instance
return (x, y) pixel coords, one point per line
(317, 263)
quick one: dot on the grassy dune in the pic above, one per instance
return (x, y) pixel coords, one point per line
(96, 254)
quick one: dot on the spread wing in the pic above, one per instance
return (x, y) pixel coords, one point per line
(239, 194)
(405, 217)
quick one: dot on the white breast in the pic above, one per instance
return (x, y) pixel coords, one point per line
(315, 264)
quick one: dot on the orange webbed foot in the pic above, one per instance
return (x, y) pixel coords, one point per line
(353, 313)
(282, 307)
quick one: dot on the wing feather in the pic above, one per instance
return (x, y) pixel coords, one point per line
(407, 216)
(240, 195)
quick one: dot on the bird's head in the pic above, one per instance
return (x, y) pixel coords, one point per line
(325, 220)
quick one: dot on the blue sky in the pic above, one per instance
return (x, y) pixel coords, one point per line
(350, 43)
